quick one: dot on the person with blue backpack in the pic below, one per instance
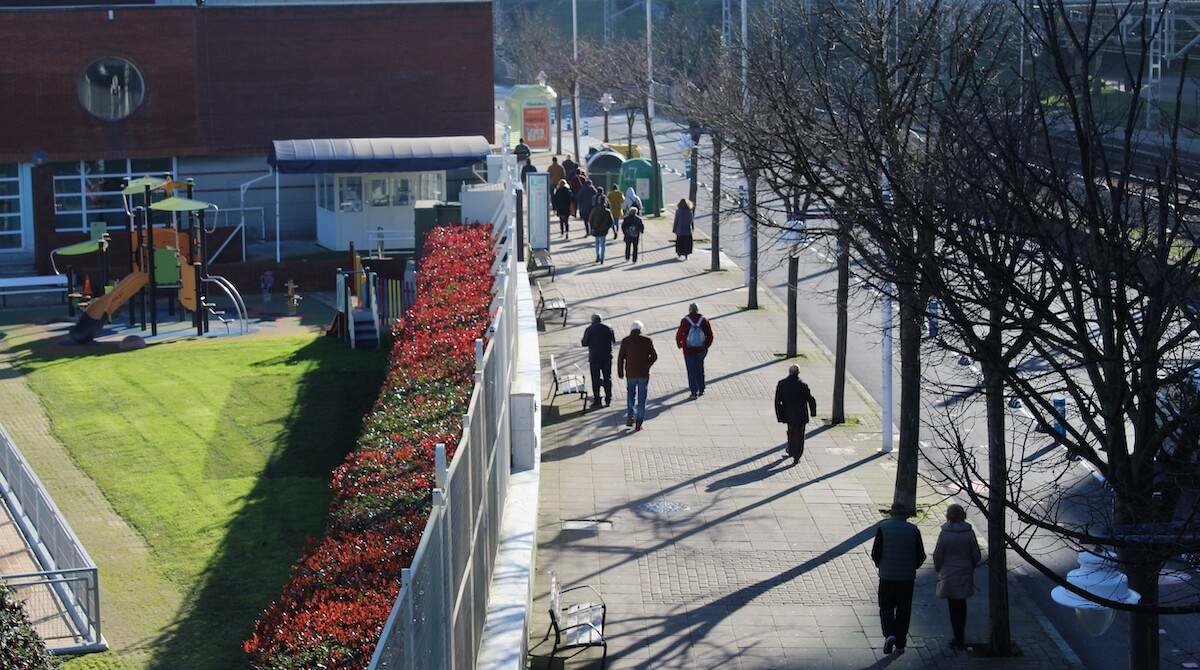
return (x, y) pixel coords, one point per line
(694, 337)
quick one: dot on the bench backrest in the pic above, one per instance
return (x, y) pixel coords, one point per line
(43, 280)
(554, 368)
(555, 599)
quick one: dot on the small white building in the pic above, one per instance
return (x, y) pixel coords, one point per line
(367, 189)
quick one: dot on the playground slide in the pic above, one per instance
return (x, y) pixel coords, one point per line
(101, 309)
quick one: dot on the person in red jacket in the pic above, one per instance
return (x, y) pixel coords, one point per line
(694, 337)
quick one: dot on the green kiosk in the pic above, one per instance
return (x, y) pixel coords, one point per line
(636, 172)
(529, 114)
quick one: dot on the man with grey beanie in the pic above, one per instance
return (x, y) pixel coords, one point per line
(599, 339)
(634, 360)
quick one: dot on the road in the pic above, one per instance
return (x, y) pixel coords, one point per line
(864, 362)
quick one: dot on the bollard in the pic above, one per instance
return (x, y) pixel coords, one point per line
(933, 317)
(1060, 415)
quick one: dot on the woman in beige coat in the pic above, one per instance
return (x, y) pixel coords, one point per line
(955, 558)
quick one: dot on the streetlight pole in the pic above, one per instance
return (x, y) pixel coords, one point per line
(649, 63)
(575, 76)
(751, 231)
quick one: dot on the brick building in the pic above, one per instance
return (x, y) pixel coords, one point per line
(103, 90)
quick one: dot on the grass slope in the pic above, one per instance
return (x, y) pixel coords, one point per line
(218, 453)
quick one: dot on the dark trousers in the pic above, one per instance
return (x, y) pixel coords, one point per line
(562, 222)
(895, 607)
(631, 245)
(601, 378)
(958, 617)
(795, 437)
(695, 371)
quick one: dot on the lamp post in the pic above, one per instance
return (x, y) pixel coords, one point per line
(606, 103)
(1097, 576)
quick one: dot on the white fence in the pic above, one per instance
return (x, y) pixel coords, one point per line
(437, 619)
(65, 594)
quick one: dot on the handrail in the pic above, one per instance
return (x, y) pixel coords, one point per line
(241, 227)
(234, 296)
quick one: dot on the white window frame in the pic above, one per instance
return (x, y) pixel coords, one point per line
(81, 178)
(19, 215)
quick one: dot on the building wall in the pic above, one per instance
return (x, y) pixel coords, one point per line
(230, 79)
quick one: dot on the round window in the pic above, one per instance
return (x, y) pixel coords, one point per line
(111, 89)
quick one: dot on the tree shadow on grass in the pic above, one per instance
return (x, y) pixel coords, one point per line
(286, 506)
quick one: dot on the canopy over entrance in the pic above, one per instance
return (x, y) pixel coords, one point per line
(379, 154)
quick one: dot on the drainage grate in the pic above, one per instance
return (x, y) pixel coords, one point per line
(591, 525)
(663, 507)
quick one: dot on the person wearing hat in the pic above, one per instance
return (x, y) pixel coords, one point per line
(897, 552)
(794, 406)
(634, 360)
(599, 340)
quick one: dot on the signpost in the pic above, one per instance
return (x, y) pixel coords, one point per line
(538, 186)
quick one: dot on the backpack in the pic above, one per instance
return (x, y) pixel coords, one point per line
(695, 337)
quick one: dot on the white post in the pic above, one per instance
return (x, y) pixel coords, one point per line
(745, 55)
(887, 371)
(649, 64)
(278, 252)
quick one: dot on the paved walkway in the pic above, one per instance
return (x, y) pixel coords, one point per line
(719, 553)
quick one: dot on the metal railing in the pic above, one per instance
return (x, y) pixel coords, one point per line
(66, 589)
(437, 619)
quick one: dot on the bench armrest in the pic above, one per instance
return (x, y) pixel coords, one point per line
(588, 624)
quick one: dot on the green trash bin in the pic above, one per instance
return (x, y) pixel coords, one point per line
(636, 173)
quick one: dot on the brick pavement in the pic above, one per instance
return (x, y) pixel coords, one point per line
(719, 553)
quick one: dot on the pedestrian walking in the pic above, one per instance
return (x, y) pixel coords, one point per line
(557, 172)
(584, 198)
(522, 151)
(599, 340)
(694, 336)
(570, 166)
(561, 200)
(633, 227)
(576, 181)
(794, 406)
(599, 223)
(632, 200)
(955, 558)
(897, 552)
(634, 360)
(685, 225)
(616, 205)
(525, 171)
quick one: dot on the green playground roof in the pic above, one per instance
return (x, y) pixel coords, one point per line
(176, 204)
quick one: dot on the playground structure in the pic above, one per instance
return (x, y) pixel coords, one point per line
(367, 303)
(164, 257)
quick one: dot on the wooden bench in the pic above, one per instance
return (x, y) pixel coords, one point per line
(572, 384)
(29, 285)
(551, 303)
(578, 624)
(542, 261)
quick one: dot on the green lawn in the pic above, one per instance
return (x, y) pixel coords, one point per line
(218, 453)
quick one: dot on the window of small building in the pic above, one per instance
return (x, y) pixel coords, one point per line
(401, 192)
(377, 192)
(10, 206)
(350, 194)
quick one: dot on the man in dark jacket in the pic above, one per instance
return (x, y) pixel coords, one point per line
(584, 197)
(694, 336)
(525, 171)
(633, 227)
(522, 151)
(599, 223)
(599, 340)
(570, 166)
(634, 360)
(794, 405)
(897, 552)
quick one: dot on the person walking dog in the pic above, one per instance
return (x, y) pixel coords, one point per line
(599, 223)
(633, 227)
(634, 360)
(794, 405)
(599, 340)
(955, 558)
(897, 552)
(694, 336)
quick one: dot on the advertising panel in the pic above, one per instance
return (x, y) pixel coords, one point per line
(536, 127)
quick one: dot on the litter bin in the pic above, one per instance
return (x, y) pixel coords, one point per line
(636, 173)
(604, 169)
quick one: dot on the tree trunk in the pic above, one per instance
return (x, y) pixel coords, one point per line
(575, 118)
(558, 119)
(716, 205)
(1143, 627)
(752, 232)
(993, 385)
(694, 179)
(910, 399)
(793, 280)
(837, 413)
(655, 187)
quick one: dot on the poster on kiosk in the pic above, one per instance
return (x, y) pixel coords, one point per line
(537, 185)
(535, 126)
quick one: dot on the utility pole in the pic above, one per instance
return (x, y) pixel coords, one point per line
(575, 76)
(751, 174)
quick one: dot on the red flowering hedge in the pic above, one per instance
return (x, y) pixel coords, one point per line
(333, 608)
